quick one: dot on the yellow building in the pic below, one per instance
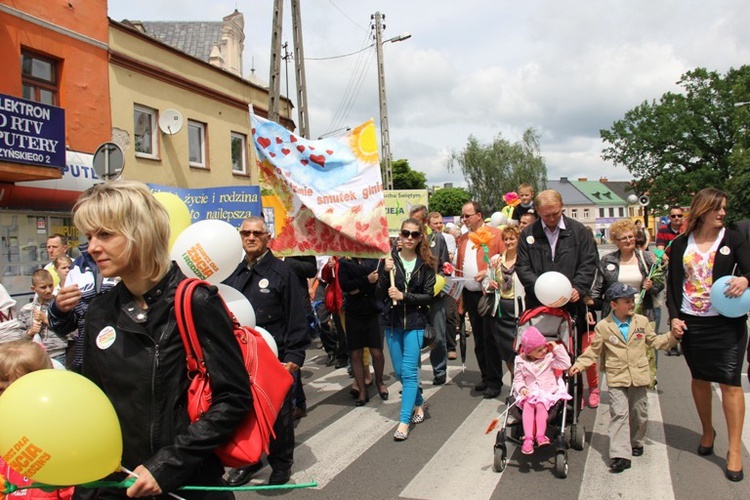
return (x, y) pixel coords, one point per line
(181, 120)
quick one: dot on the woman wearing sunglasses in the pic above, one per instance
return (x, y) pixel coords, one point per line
(406, 300)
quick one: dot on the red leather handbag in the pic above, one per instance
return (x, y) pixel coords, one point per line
(269, 382)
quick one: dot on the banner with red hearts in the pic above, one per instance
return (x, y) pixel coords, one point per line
(331, 189)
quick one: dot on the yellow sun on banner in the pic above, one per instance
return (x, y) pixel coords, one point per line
(364, 144)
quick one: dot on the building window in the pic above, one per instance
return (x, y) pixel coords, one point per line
(197, 144)
(239, 153)
(144, 131)
(39, 78)
(586, 213)
(611, 211)
(601, 213)
(574, 213)
(621, 211)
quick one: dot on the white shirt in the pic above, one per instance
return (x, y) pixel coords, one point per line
(450, 242)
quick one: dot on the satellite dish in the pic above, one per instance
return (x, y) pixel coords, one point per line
(108, 161)
(644, 200)
(170, 121)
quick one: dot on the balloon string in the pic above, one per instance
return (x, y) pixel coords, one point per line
(9, 487)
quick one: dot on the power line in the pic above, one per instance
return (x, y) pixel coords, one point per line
(349, 18)
(338, 57)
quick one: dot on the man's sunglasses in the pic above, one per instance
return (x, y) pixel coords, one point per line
(256, 234)
(414, 234)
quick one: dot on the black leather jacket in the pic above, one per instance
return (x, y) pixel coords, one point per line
(143, 373)
(410, 313)
(607, 273)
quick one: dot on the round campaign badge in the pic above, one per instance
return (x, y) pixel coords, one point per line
(263, 283)
(724, 250)
(610, 267)
(613, 340)
(106, 338)
(530, 240)
(432, 244)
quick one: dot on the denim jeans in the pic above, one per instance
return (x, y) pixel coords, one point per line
(404, 347)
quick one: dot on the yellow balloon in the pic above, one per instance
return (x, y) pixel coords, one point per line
(439, 283)
(179, 215)
(59, 428)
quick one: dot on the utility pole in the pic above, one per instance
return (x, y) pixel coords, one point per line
(299, 66)
(274, 80)
(385, 143)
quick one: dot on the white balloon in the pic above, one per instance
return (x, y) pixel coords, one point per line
(553, 289)
(269, 339)
(498, 219)
(238, 304)
(209, 250)
(633, 199)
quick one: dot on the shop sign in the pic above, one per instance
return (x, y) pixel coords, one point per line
(31, 132)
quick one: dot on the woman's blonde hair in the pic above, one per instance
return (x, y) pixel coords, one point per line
(19, 357)
(510, 231)
(704, 201)
(128, 208)
(617, 229)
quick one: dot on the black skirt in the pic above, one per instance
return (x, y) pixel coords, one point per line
(506, 325)
(714, 348)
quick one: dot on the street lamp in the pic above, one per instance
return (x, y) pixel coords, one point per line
(385, 141)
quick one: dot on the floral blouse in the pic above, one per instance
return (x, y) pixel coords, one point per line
(696, 296)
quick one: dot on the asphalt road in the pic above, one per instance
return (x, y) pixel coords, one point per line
(351, 454)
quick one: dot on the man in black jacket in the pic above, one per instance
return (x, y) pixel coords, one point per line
(274, 291)
(555, 242)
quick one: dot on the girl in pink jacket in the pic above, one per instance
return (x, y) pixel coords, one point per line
(536, 385)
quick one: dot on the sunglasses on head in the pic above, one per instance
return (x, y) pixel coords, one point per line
(256, 234)
(414, 234)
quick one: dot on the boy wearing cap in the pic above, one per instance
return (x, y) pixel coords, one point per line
(622, 340)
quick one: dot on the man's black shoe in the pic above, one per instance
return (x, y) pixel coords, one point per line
(341, 363)
(240, 476)
(438, 380)
(480, 387)
(280, 477)
(638, 451)
(490, 393)
(330, 359)
(619, 464)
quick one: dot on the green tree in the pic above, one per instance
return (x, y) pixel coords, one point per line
(688, 140)
(406, 178)
(448, 201)
(491, 170)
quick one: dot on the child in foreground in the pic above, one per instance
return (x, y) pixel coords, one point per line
(17, 358)
(622, 340)
(537, 386)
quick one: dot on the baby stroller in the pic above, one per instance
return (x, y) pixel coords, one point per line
(562, 424)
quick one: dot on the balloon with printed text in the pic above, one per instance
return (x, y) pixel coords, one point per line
(209, 250)
(46, 453)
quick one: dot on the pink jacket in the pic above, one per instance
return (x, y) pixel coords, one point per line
(539, 376)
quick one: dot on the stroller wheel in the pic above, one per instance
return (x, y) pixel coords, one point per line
(501, 458)
(561, 464)
(577, 437)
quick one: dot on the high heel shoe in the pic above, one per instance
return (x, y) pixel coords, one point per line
(733, 475)
(705, 451)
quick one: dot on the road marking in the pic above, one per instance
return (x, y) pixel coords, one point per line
(471, 448)
(649, 476)
(329, 452)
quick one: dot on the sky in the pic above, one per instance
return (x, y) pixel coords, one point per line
(483, 68)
